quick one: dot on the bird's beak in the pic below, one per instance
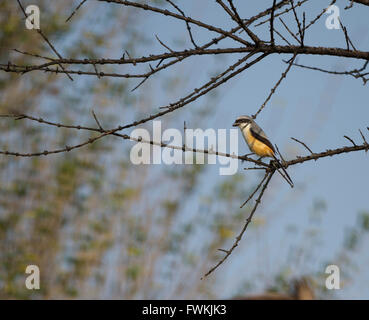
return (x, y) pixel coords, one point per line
(235, 124)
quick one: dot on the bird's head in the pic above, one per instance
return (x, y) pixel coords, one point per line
(242, 120)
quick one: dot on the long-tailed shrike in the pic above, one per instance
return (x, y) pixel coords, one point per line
(258, 142)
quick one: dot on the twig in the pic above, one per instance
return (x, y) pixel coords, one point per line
(275, 87)
(350, 5)
(165, 46)
(319, 16)
(363, 136)
(271, 24)
(39, 31)
(282, 37)
(298, 24)
(177, 16)
(97, 73)
(303, 145)
(348, 40)
(75, 10)
(239, 20)
(248, 220)
(349, 139)
(278, 165)
(289, 31)
(97, 121)
(187, 23)
(256, 189)
(356, 73)
(298, 4)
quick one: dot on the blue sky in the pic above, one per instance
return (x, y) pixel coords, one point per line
(316, 108)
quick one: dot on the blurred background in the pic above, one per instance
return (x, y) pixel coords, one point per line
(100, 227)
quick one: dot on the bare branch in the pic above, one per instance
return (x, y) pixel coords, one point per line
(177, 16)
(187, 23)
(248, 220)
(235, 16)
(75, 10)
(356, 73)
(39, 31)
(275, 87)
(298, 24)
(364, 2)
(97, 121)
(304, 144)
(165, 46)
(362, 136)
(298, 4)
(319, 15)
(256, 190)
(348, 40)
(289, 31)
(349, 139)
(271, 24)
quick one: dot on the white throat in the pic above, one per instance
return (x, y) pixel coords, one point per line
(244, 126)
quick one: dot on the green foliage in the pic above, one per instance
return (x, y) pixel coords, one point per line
(364, 220)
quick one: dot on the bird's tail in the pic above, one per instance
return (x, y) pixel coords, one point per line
(285, 175)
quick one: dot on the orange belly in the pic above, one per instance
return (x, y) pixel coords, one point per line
(256, 146)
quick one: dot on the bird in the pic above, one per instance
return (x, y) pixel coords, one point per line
(258, 142)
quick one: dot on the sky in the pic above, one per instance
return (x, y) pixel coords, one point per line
(311, 106)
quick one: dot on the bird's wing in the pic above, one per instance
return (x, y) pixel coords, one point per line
(259, 134)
